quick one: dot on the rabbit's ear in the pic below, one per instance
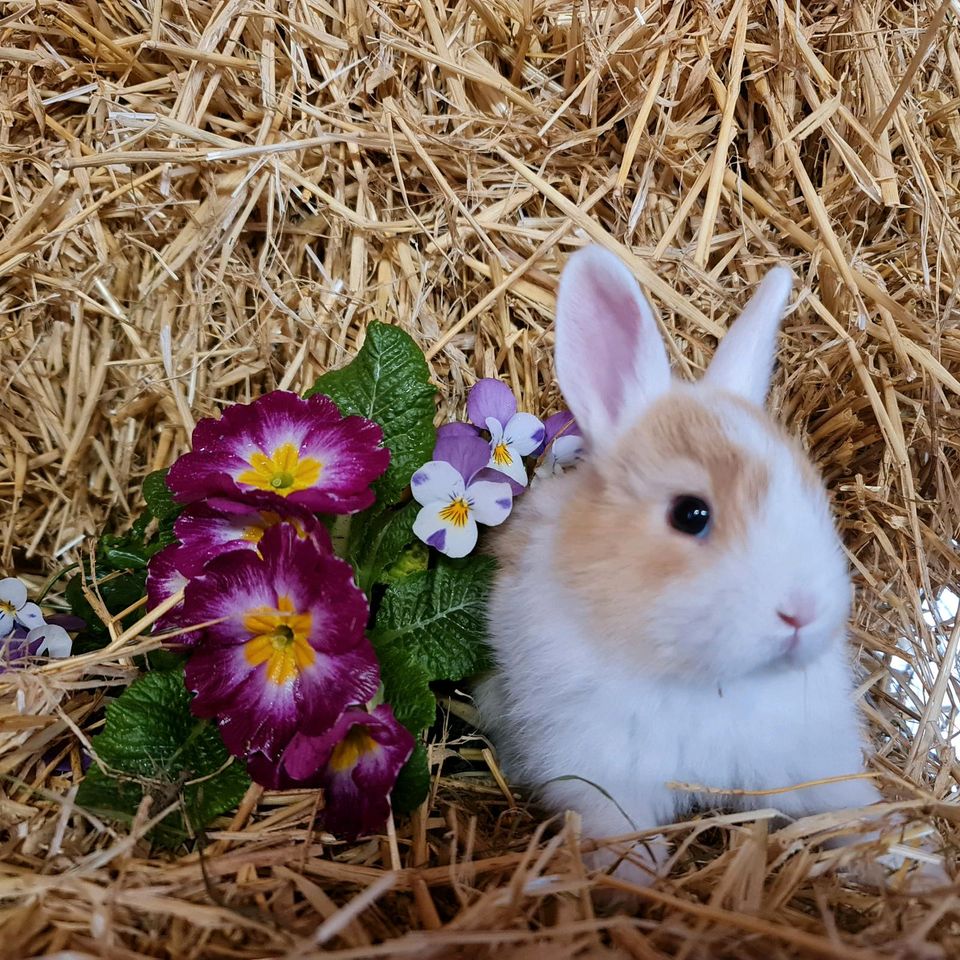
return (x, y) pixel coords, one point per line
(611, 362)
(743, 362)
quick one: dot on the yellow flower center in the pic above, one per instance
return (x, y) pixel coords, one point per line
(255, 531)
(356, 744)
(283, 472)
(456, 512)
(279, 639)
(7, 607)
(501, 455)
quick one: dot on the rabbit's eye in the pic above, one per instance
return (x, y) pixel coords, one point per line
(690, 515)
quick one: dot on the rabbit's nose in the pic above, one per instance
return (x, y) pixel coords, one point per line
(798, 612)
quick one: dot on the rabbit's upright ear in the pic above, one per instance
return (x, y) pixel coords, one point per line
(611, 362)
(743, 362)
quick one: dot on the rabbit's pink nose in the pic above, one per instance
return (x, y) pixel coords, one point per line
(798, 613)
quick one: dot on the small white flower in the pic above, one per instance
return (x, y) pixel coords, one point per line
(510, 442)
(14, 608)
(56, 641)
(452, 508)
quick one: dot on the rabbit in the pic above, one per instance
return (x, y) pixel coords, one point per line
(675, 608)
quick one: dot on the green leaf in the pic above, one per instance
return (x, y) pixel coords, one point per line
(153, 746)
(414, 559)
(382, 541)
(406, 685)
(389, 382)
(157, 495)
(439, 617)
(413, 782)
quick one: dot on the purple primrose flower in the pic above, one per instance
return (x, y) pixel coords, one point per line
(453, 501)
(289, 653)
(301, 451)
(356, 763)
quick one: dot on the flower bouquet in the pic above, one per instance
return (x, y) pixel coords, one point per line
(308, 570)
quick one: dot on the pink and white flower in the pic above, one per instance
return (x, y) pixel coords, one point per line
(301, 451)
(356, 763)
(288, 652)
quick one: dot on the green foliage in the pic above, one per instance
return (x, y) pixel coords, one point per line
(430, 626)
(121, 563)
(159, 500)
(153, 746)
(380, 540)
(440, 614)
(389, 382)
(413, 783)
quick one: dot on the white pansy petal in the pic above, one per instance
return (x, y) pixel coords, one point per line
(496, 431)
(6, 624)
(56, 641)
(507, 460)
(13, 591)
(436, 480)
(454, 540)
(490, 502)
(524, 432)
(567, 450)
(30, 616)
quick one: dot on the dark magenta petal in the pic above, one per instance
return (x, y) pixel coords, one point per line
(490, 398)
(467, 454)
(164, 579)
(289, 651)
(356, 763)
(206, 531)
(285, 448)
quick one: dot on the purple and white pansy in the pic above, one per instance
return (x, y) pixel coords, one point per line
(25, 632)
(562, 445)
(513, 436)
(15, 609)
(453, 501)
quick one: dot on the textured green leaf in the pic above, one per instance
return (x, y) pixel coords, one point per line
(389, 382)
(158, 498)
(413, 783)
(153, 746)
(438, 617)
(406, 685)
(382, 542)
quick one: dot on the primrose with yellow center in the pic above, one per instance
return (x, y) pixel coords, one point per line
(282, 472)
(285, 649)
(303, 451)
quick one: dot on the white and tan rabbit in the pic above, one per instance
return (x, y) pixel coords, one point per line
(674, 609)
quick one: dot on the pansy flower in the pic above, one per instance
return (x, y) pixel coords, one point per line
(562, 444)
(492, 406)
(49, 639)
(15, 609)
(453, 501)
(356, 763)
(288, 651)
(300, 450)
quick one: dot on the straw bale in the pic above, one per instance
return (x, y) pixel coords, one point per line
(201, 200)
